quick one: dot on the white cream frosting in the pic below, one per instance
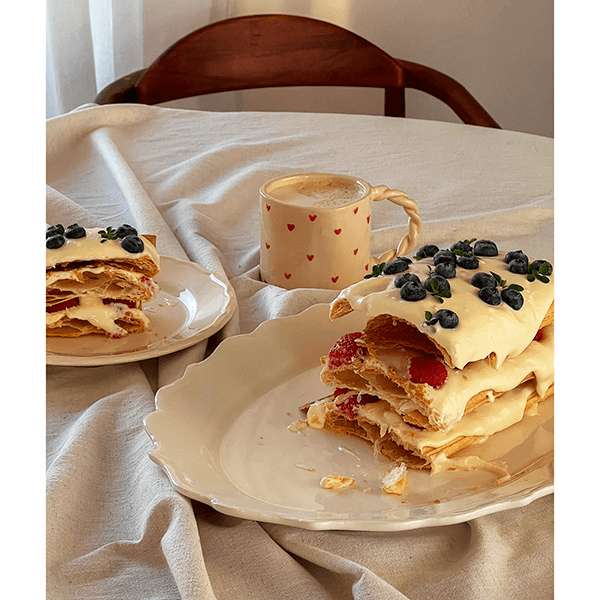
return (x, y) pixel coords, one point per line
(91, 247)
(483, 329)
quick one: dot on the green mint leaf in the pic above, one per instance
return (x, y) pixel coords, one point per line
(514, 286)
(108, 234)
(376, 271)
(499, 279)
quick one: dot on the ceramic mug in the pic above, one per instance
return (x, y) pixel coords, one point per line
(316, 230)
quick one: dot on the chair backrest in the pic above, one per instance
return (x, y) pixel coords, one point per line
(262, 51)
(269, 51)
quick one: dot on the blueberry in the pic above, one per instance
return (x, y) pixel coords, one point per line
(518, 266)
(124, 230)
(447, 319)
(515, 255)
(467, 262)
(133, 244)
(55, 241)
(412, 291)
(485, 248)
(539, 264)
(462, 246)
(481, 280)
(400, 280)
(442, 283)
(490, 295)
(444, 256)
(445, 269)
(513, 298)
(426, 251)
(74, 232)
(396, 266)
(54, 230)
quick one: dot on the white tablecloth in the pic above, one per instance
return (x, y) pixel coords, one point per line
(116, 528)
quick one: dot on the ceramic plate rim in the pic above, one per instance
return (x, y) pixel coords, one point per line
(271, 513)
(221, 318)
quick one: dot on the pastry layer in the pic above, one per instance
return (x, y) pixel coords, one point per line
(378, 423)
(93, 317)
(386, 372)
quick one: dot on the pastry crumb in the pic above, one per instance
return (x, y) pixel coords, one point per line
(297, 426)
(395, 481)
(336, 482)
(305, 467)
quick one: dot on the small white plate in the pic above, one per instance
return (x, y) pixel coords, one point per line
(221, 435)
(192, 304)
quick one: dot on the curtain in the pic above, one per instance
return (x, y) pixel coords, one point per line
(90, 43)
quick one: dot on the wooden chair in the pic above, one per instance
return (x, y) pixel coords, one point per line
(263, 51)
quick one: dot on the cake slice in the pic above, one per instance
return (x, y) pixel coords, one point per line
(458, 345)
(97, 280)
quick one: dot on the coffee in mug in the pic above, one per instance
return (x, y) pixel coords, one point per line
(316, 230)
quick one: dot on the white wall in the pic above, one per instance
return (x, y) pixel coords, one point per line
(500, 50)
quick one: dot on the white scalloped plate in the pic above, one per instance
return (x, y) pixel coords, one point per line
(192, 304)
(221, 435)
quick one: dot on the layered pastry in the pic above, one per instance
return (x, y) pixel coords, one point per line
(98, 279)
(458, 345)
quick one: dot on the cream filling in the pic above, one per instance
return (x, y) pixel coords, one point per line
(91, 247)
(469, 463)
(448, 402)
(483, 329)
(103, 316)
(483, 422)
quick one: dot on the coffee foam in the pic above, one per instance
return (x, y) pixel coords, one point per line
(318, 193)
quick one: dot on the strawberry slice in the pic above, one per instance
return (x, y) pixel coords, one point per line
(349, 406)
(63, 305)
(345, 350)
(428, 370)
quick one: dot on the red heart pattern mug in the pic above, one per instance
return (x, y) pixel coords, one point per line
(316, 230)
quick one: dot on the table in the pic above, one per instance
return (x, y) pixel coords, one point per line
(116, 528)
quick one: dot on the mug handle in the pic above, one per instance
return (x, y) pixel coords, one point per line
(415, 222)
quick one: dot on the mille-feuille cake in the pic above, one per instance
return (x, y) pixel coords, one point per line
(458, 345)
(97, 280)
